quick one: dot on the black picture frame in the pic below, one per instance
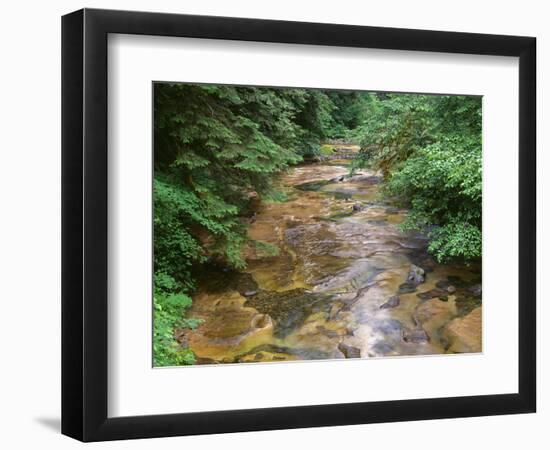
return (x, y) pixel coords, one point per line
(84, 224)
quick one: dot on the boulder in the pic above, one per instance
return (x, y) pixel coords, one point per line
(416, 275)
(463, 334)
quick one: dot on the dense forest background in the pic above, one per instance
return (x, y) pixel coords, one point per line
(218, 149)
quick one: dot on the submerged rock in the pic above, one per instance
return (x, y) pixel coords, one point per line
(415, 336)
(366, 179)
(327, 332)
(457, 281)
(349, 351)
(406, 288)
(391, 210)
(342, 195)
(391, 303)
(433, 293)
(386, 326)
(288, 309)
(312, 185)
(433, 314)
(272, 352)
(229, 324)
(382, 348)
(446, 285)
(465, 304)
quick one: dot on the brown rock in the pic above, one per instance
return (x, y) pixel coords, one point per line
(349, 351)
(433, 311)
(463, 334)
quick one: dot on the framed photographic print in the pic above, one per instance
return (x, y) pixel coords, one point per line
(337, 221)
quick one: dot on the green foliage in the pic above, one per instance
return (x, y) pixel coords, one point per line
(349, 111)
(394, 127)
(442, 185)
(314, 120)
(429, 149)
(168, 310)
(456, 240)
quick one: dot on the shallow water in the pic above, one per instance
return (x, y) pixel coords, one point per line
(336, 288)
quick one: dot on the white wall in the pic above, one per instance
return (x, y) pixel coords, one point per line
(30, 236)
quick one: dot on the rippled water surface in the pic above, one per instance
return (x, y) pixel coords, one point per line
(338, 287)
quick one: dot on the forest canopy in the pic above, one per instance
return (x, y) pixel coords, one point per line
(218, 149)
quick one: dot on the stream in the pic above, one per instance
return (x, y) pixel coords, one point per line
(345, 283)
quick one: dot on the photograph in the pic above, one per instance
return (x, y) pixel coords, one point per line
(295, 224)
(247, 225)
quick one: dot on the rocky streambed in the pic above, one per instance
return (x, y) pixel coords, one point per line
(343, 282)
